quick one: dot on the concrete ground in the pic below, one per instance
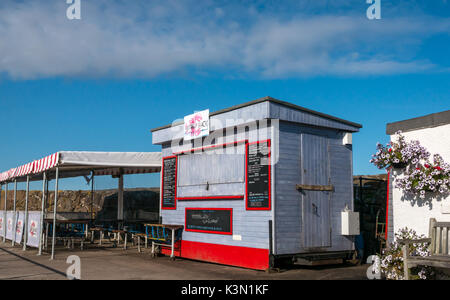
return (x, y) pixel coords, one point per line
(114, 264)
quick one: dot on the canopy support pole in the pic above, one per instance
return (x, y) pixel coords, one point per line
(120, 200)
(54, 214)
(3, 217)
(14, 228)
(41, 227)
(47, 196)
(25, 223)
(6, 207)
(92, 195)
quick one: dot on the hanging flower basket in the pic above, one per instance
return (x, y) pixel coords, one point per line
(399, 154)
(420, 176)
(401, 165)
(430, 177)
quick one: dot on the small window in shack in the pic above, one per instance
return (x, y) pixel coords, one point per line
(212, 167)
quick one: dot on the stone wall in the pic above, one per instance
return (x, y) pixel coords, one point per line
(138, 203)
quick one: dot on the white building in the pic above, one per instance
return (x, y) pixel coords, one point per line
(433, 132)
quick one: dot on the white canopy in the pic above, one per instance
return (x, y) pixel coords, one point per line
(79, 163)
(66, 164)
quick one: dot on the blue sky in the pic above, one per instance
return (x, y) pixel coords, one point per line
(102, 82)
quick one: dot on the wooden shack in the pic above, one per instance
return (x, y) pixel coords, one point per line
(270, 180)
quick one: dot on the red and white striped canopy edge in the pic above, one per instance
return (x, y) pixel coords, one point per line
(24, 170)
(4, 176)
(46, 163)
(11, 173)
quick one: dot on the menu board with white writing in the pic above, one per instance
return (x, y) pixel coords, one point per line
(214, 220)
(169, 188)
(258, 176)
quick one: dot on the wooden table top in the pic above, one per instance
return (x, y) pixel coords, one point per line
(68, 221)
(166, 226)
(96, 229)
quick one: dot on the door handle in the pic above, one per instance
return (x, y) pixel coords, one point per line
(315, 209)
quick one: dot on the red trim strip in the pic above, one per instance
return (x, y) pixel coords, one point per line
(208, 231)
(387, 207)
(237, 197)
(244, 257)
(270, 176)
(210, 147)
(176, 183)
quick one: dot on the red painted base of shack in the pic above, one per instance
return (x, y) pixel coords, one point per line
(250, 258)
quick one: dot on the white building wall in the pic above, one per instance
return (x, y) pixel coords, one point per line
(416, 215)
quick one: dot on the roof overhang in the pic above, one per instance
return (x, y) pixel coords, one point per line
(273, 100)
(428, 121)
(266, 108)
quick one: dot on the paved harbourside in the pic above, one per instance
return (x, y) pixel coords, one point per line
(115, 264)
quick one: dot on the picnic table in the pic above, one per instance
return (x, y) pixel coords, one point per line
(117, 233)
(73, 230)
(161, 235)
(117, 229)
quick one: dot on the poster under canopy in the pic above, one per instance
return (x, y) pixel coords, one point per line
(34, 225)
(2, 223)
(19, 226)
(10, 225)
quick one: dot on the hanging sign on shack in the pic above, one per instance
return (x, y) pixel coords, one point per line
(196, 125)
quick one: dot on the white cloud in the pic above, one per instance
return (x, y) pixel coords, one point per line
(148, 39)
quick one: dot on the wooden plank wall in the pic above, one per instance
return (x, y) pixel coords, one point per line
(288, 211)
(251, 226)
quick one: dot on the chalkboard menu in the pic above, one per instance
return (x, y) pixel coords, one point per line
(169, 184)
(214, 220)
(258, 176)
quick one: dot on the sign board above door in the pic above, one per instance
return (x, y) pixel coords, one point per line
(196, 125)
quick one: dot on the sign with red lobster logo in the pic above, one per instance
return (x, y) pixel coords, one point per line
(196, 125)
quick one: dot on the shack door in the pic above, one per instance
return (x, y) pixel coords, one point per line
(315, 168)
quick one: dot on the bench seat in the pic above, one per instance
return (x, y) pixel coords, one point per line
(437, 261)
(439, 248)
